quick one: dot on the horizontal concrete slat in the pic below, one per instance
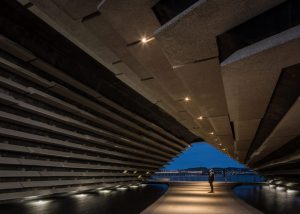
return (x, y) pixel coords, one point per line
(68, 155)
(46, 127)
(66, 144)
(55, 86)
(10, 100)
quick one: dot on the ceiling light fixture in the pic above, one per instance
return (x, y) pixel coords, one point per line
(145, 40)
(200, 118)
(187, 99)
(212, 133)
(177, 66)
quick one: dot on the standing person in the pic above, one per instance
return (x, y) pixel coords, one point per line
(224, 175)
(211, 178)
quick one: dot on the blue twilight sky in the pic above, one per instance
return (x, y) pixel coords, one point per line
(202, 154)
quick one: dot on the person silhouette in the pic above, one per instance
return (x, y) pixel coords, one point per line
(224, 175)
(211, 178)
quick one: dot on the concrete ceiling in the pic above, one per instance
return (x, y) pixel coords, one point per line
(181, 61)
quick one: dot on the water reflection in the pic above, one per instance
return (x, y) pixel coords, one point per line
(270, 199)
(130, 200)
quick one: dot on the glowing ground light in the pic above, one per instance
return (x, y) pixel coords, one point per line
(280, 188)
(122, 188)
(292, 191)
(80, 195)
(105, 191)
(40, 202)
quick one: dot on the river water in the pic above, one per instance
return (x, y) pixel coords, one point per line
(269, 199)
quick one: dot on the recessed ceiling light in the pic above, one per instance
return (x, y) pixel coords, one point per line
(177, 66)
(144, 40)
(200, 118)
(187, 99)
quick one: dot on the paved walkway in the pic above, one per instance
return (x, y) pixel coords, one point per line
(193, 197)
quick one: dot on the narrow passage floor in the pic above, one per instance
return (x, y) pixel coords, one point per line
(193, 197)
